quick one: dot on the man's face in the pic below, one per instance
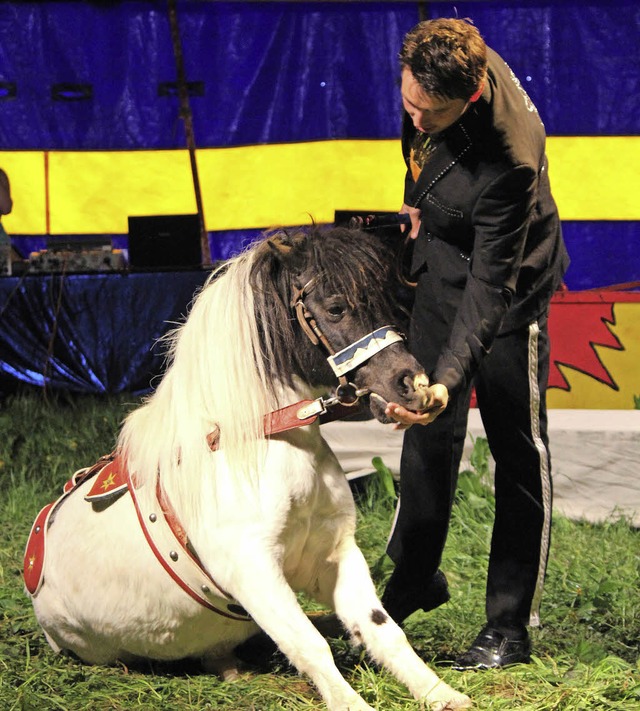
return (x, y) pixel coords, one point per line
(430, 114)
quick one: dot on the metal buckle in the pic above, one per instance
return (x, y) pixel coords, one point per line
(315, 408)
(347, 394)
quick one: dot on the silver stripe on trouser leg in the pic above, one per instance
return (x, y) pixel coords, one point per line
(545, 474)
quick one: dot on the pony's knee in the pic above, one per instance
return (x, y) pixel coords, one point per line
(374, 617)
(379, 634)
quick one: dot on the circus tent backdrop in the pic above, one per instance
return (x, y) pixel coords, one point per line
(295, 113)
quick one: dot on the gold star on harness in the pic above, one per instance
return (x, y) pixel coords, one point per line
(108, 482)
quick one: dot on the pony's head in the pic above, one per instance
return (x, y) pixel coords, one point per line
(273, 324)
(335, 296)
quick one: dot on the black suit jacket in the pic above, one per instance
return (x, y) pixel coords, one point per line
(490, 246)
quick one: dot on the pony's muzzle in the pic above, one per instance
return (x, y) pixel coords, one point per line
(415, 392)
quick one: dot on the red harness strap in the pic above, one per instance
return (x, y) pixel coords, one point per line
(35, 551)
(302, 413)
(167, 538)
(34, 554)
(112, 480)
(163, 531)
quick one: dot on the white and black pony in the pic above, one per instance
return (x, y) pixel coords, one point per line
(221, 498)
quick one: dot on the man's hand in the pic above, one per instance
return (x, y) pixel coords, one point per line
(414, 213)
(406, 418)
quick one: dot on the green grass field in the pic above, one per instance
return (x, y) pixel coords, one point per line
(585, 655)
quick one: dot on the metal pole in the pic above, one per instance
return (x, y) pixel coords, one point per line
(185, 115)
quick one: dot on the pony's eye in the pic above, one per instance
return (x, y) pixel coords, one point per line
(335, 308)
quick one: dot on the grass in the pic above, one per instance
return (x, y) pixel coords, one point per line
(586, 654)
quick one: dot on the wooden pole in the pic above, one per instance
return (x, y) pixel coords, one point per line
(186, 116)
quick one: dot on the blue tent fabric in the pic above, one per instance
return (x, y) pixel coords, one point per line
(271, 72)
(286, 71)
(578, 61)
(603, 254)
(93, 333)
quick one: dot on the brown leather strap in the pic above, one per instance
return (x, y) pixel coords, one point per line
(291, 417)
(277, 421)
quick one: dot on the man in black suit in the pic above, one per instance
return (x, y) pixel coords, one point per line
(488, 256)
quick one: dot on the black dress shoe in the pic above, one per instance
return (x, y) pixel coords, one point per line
(492, 649)
(402, 598)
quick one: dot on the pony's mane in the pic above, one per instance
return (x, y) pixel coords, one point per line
(239, 355)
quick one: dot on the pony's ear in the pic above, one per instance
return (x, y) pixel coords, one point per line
(287, 248)
(280, 244)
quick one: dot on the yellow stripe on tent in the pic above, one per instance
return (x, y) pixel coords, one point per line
(93, 192)
(595, 177)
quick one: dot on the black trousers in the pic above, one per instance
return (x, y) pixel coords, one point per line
(511, 392)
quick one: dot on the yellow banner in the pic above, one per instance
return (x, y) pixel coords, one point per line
(93, 192)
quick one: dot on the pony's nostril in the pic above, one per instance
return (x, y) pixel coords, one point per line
(406, 385)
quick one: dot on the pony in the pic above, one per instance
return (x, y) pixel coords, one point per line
(221, 499)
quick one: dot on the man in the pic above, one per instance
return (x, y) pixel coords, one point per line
(488, 255)
(6, 205)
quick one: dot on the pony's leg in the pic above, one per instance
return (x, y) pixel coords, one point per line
(265, 594)
(348, 586)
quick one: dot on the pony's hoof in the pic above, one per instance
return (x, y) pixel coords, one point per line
(229, 675)
(224, 667)
(457, 701)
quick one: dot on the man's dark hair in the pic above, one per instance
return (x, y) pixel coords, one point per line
(447, 57)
